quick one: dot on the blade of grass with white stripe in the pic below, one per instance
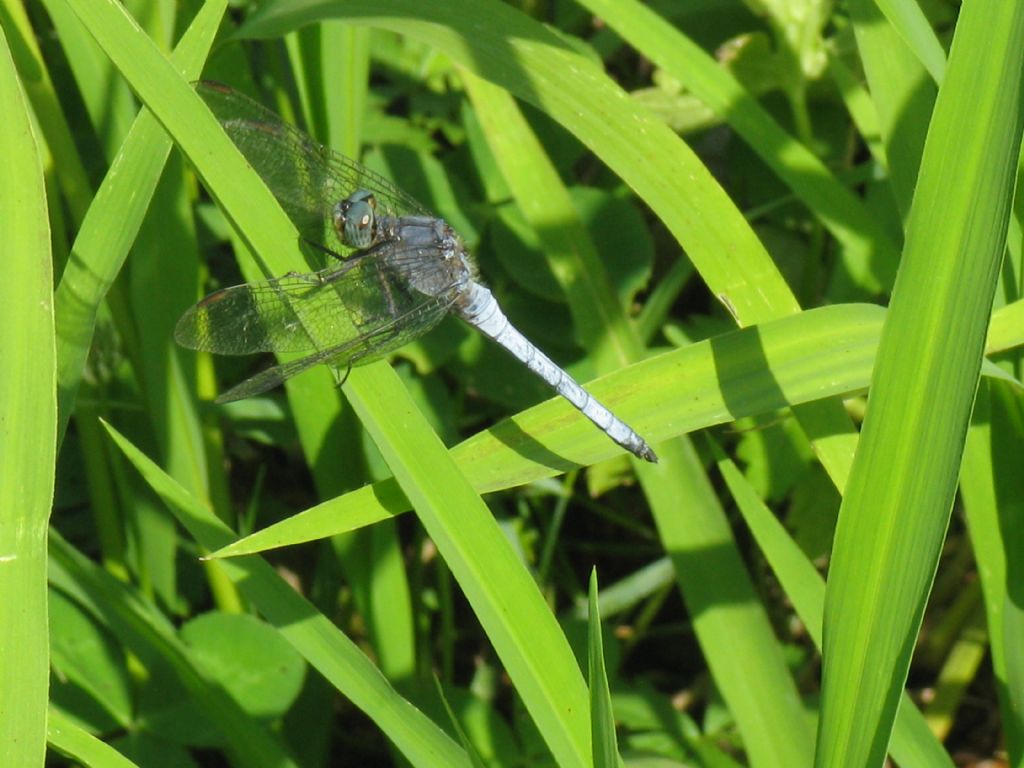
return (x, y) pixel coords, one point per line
(28, 428)
(518, 622)
(688, 516)
(896, 508)
(312, 634)
(912, 742)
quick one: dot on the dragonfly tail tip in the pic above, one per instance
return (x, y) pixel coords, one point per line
(644, 452)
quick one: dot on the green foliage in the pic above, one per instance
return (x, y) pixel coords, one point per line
(700, 210)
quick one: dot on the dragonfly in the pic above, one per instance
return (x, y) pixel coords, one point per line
(396, 271)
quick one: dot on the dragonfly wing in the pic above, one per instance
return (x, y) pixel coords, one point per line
(273, 316)
(336, 306)
(372, 345)
(268, 379)
(307, 178)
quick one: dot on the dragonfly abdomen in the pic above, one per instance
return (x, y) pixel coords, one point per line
(478, 307)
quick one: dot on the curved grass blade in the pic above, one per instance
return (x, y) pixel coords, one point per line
(824, 352)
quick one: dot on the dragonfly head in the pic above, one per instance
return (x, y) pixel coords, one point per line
(355, 219)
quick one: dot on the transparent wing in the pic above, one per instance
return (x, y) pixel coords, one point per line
(385, 338)
(307, 178)
(356, 305)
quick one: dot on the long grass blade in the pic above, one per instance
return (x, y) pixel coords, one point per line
(992, 486)
(337, 658)
(27, 427)
(823, 352)
(912, 742)
(896, 509)
(113, 220)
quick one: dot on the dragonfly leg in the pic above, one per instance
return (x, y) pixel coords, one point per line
(381, 337)
(343, 379)
(322, 248)
(313, 278)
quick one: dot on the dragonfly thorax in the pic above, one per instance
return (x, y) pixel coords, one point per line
(427, 254)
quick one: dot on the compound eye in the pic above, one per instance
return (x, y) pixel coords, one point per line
(355, 219)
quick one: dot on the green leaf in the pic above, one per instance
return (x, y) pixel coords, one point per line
(28, 427)
(312, 634)
(252, 661)
(896, 508)
(912, 742)
(153, 641)
(68, 738)
(113, 220)
(820, 353)
(602, 719)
